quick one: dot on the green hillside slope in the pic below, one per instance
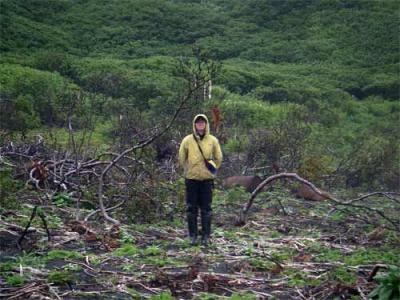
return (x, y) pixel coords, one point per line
(336, 60)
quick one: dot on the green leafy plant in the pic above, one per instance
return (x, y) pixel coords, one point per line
(389, 285)
(371, 256)
(61, 199)
(15, 280)
(60, 277)
(275, 234)
(344, 275)
(29, 259)
(126, 237)
(261, 264)
(62, 254)
(160, 261)
(299, 278)
(129, 267)
(72, 267)
(152, 251)
(283, 254)
(236, 195)
(338, 216)
(231, 235)
(53, 221)
(244, 296)
(8, 188)
(327, 254)
(6, 267)
(207, 296)
(162, 296)
(127, 250)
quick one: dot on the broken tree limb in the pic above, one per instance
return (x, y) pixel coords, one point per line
(129, 150)
(244, 211)
(385, 194)
(394, 222)
(390, 195)
(107, 209)
(26, 228)
(42, 217)
(375, 270)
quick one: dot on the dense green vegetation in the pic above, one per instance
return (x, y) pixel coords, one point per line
(334, 61)
(311, 86)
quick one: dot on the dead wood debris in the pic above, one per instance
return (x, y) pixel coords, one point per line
(393, 222)
(224, 269)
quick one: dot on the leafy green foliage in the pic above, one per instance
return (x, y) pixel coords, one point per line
(389, 285)
(35, 94)
(19, 114)
(127, 250)
(117, 62)
(261, 264)
(56, 62)
(152, 251)
(162, 296)
(62, 254)
(370, 256)
(299, 278)
(61, 199)
(60, 277)
(244, 296)
(344, 275)
(15, 280)
(8, 188)
(11, 278)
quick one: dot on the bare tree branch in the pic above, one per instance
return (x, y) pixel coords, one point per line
(107, 209)
(247, 206)
(184, 100)
(272, 179)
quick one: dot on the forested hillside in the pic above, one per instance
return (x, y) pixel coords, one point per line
(96, 96)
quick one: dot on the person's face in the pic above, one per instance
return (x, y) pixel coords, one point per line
(200, 125)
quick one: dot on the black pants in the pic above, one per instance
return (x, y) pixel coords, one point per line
(199, 195)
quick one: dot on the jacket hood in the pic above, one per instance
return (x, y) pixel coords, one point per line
(207, 132)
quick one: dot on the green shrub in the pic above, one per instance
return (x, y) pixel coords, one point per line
(15, 280)
(19, 114)
(344, 275)
(60, 277)
(61, 199)
(162, 296)
(152, 251)
(54, 61)
(244, 296)
(389, 285)
(127, 250)
(236, 145)
(8, 189)
(62, 254)
(34, 94)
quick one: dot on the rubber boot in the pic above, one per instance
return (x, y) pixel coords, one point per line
(192, 226)
(205, 228)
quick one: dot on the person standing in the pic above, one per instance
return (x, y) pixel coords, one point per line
(200, 156)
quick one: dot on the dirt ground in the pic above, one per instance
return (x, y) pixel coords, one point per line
(288, 249)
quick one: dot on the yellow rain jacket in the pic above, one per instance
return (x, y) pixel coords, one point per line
(190, 157)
